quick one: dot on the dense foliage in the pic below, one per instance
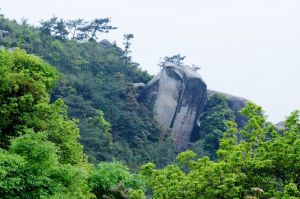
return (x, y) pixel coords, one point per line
(96, 78)
(25, 84)
(175, 59)
(213, 125)
(255, 162)
(113, 180)
(40, 156)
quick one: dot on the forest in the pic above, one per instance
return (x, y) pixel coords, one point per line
(71, 126)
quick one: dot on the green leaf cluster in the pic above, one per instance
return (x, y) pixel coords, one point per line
(213, 121)
(113, 180)
(258, 161)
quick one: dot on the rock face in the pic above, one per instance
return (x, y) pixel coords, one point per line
(138, 86)
(105, 42)
(4, 33)
(178, 95)
(235, 104)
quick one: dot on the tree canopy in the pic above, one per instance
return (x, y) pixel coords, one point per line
(256, 162)
(175, 59)
(40, 156)
(77, 29)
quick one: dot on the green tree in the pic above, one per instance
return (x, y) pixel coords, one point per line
(255, 162)
(99, 25)
(54, 27)
(74, 27)
(96, 137)
(60, 29)
(127, 44)
(174, 60)
(195, 67)
(213, 124)
(113, 180)
(31, 169)
(39, 143)
(25, 84)
(47, 27)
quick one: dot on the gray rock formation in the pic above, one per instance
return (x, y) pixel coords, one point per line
(178, 95)
(139, 85)
(280, 125)
(4, 33)
(235, 104)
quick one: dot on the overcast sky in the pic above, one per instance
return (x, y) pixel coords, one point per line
(248, 48)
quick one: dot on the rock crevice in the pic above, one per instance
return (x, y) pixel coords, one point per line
(178, 95)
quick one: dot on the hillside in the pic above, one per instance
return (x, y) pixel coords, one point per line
(96, 78)
(78, 116)
(96, 84)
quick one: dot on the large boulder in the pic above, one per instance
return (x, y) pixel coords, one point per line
(105, 43)
(177, 95)
(235, 104)
(4, 33)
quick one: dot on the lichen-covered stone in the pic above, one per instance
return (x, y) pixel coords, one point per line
(178, 95)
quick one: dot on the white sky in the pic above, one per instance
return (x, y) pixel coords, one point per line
(248, 48)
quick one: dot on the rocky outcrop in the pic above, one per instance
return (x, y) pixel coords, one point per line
(235, 104)
(178, 95)
(105, 43)
(280, 125)
(4, 33)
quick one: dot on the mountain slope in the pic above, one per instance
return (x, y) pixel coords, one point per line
(97, 77)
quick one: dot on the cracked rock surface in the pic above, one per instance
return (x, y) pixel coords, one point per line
(178, 95)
